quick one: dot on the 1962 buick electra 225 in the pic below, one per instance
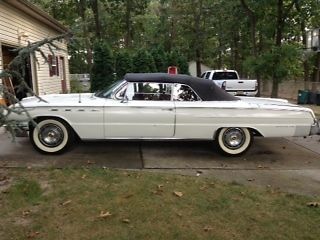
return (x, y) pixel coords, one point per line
(158, 106)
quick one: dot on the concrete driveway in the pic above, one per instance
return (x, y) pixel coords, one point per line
(275, 162)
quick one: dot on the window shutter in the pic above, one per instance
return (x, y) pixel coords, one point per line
(50, 65)
(57, 66)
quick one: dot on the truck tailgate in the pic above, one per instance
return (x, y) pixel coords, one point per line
(241, 85)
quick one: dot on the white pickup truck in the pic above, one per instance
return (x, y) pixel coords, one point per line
(229, 80)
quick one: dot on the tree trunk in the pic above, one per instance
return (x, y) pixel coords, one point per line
(198, 62)
(82, 6)
(304, 42)
(197, 37)
(95, 9)
(253, 25)
(128, 35)
(279, 29)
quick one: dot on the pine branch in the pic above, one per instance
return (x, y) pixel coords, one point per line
(16, 70)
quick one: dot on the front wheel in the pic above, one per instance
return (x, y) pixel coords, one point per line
(51, 136)
(234, 141)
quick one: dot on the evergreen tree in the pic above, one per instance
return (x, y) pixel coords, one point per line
(175, 58)
(183, 66)
(102, 73)
(160, 59)
(123, 64)
(142, 62)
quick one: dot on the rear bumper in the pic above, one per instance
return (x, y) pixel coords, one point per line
(243, 93)
(315, 128)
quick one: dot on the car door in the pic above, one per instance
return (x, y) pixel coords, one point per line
(146, 111)
(193, 116)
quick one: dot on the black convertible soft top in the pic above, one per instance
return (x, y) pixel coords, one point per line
(206, 89)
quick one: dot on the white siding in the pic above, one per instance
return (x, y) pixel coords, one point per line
(14, 22)
(193, 68)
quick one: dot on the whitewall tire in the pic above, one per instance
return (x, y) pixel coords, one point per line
(234, 141)
(51, 136)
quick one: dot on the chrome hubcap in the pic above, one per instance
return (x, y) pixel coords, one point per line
(234, 138)
(51, 135)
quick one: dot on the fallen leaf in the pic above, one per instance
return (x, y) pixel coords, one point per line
(203, 188)
(26, 213)
(313, 204)
(160, 186)
(179, 214)
(105, 214)
(4, 178)
(66, 203)
(33, 234)
(126, 220)
(178, 194)
(207, 228)
(84, 176)
(128, 196)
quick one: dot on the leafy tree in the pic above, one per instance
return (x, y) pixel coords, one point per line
(102, 74)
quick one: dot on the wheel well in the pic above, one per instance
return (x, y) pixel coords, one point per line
(254, 132)
(40, 118)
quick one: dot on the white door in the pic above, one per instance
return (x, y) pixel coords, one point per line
(147, 112)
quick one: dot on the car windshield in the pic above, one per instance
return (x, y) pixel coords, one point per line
(107, 93)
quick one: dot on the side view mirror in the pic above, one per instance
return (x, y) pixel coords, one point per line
(125, 99)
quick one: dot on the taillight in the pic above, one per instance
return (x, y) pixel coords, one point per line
(223, 86)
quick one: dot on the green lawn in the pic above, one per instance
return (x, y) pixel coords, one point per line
(114, 204)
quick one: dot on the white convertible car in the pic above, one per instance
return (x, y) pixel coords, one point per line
(159, 106)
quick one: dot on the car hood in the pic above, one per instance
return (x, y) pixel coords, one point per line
(59, 100)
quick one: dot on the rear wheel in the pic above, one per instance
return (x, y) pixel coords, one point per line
(234, 141)
(51, 136)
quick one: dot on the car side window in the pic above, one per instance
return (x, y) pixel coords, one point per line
(149, 91)
(207, 75)
(183, 92)
(121, 92)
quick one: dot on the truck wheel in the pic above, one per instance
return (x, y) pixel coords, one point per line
(234, 141)
(51, 136)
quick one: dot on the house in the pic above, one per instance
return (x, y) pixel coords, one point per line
(22, 22)
(193, 68)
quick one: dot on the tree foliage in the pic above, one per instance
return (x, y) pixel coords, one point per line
(102, 74)
(241, 34)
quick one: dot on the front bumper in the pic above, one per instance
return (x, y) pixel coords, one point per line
(315, 128)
